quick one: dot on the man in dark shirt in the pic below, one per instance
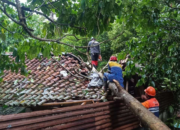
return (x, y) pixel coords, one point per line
(94, 48)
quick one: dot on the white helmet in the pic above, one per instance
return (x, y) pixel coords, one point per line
(92, 38)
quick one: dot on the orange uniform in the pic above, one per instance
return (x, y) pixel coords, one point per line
(152, 105)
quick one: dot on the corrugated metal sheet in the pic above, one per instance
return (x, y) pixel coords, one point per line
(108, 115)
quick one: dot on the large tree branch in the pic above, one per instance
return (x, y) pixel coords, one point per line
(89, 68)
(37, 12)
(22, 16)
(5, 12)
(9, 2)
(23, 24)
(68, 35)
(81, 75)
(18, 6)
(147, 117)
(12, 32)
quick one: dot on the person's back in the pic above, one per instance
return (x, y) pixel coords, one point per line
(94, 47)
(152, 105)
(115, 72)
(116, 69)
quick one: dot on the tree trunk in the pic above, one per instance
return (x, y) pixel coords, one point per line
(145, 116)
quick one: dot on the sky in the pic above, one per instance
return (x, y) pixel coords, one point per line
(23, 1)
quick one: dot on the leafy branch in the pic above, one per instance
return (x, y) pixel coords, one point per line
(6, 29)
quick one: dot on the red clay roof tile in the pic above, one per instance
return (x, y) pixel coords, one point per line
(44, 82)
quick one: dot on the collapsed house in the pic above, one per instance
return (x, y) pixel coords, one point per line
(63, 80)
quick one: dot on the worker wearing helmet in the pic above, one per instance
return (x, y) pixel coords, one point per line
(115, 72)
(94, 48)
(151, 104)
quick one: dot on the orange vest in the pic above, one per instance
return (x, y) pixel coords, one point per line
(152, 105)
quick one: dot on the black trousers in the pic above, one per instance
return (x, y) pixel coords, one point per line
(94, 56)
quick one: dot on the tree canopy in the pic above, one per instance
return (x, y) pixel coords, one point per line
(148, 30)
(37, 31)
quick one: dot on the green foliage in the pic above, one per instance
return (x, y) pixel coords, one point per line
(7, 63)
(80, 17)
(106, 50)
(83, 41)
(155, 47)
(151, 35)
(101, 64)
(93, 16)
(121, 55)
(119, 44)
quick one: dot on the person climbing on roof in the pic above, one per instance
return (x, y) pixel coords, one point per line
(94, 48)
(114, 72)
(151, 104)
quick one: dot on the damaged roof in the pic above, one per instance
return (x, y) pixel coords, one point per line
(48, 80)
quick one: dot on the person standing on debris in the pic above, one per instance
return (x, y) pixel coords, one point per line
(151, 104)
(114, 72)
(94, 48)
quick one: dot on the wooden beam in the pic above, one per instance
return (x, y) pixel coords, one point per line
(69, 102)
(146, 117)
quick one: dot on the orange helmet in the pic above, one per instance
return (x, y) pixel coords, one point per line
(150, 91)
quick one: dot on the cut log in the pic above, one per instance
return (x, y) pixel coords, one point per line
(146, 117)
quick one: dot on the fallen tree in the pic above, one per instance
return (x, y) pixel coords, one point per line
(145, 116)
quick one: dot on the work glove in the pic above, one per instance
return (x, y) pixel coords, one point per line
(100, 58)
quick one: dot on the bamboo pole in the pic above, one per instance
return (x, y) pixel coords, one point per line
(136, 107)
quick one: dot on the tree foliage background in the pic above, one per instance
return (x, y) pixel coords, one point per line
(148, 30)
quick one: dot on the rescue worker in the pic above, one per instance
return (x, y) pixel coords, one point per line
(151, 104)
(95, 51)
(114, 72)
